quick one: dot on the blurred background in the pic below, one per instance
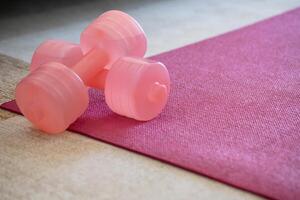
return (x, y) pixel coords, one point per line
(167, 23)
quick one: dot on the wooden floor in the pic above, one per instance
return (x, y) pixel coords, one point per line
(11, 71)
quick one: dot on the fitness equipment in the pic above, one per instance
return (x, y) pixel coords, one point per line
(53, 96)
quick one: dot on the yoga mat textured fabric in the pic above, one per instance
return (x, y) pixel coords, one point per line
(233, 112)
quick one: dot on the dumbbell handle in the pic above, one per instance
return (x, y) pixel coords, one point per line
(98, 81)
(92, 63)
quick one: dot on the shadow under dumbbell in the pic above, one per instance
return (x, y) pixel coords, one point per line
(102, 118)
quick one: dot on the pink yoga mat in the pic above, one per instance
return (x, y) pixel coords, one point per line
(233, 113)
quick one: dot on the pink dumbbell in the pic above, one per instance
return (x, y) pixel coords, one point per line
(117, 33)
(53, 96)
